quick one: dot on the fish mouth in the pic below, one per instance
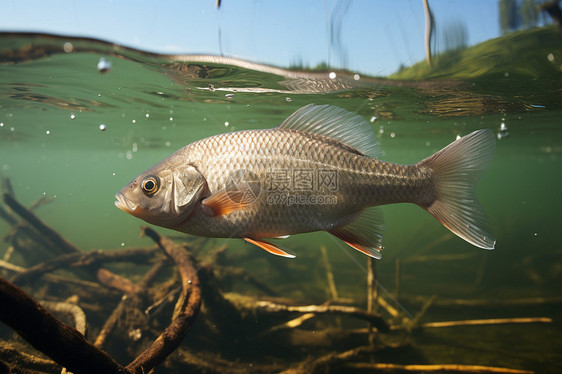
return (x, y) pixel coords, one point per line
(125, 204)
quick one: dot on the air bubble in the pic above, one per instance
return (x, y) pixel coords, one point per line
(102, 127)
(332, 75)
(68, 47)
(503, 133)
(103, 65)
(356, 77)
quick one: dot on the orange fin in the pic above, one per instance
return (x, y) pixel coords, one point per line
(271, 248)
(242, 189)
(224, 202)
(364, 233)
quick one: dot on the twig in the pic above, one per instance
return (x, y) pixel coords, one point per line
(331, 360)
(84, 259)
(294, 323)
(72, 309)
(375, 319)
(417, 318)
(15, 355)
(54, 237)
(433, 368)
(493, 321)
(371, 289)
(65, 345)
(329, 274)
(397, 276)
(187, 307)
(117, 282)
(7, 216)
(43, 200)
(497, 302)
(55, 278)
(7, 186)
(76, 312)
(132, 292)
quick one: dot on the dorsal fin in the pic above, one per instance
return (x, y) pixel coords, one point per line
(336, 123)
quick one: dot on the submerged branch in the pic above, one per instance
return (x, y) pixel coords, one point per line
(54, 237)
(435, 368)
(65, 345)
(185, 312)
(84, 259)
(373, 318)
(492, 321)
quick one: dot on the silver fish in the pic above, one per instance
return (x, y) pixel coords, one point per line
(316, 171)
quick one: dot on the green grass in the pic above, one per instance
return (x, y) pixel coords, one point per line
(523, 54)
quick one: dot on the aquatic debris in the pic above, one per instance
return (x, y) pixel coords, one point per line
(66, 345)
(228, 313)
(104, 65)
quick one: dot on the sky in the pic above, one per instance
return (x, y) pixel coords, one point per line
(372, 37)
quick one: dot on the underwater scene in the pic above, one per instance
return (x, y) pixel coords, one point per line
(80, 118)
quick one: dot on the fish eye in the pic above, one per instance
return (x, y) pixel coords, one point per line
(150, 185)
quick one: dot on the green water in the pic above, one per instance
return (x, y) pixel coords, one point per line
(52, 104)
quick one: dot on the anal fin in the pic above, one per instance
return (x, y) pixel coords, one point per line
(271, 248)
(364, 233)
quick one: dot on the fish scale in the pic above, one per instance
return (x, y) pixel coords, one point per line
(361, 181)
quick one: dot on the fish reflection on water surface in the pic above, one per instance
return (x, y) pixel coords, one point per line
(316, 171)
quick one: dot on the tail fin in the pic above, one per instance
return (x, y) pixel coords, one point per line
(457, 168)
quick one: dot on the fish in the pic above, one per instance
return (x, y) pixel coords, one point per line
(319, 170)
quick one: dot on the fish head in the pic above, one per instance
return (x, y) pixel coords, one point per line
(163, 195)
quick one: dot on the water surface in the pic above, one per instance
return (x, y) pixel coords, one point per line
(69, 131)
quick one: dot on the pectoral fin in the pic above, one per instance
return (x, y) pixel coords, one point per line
(271, 248)
(224, 202)
(364, 233)
(241, 190)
